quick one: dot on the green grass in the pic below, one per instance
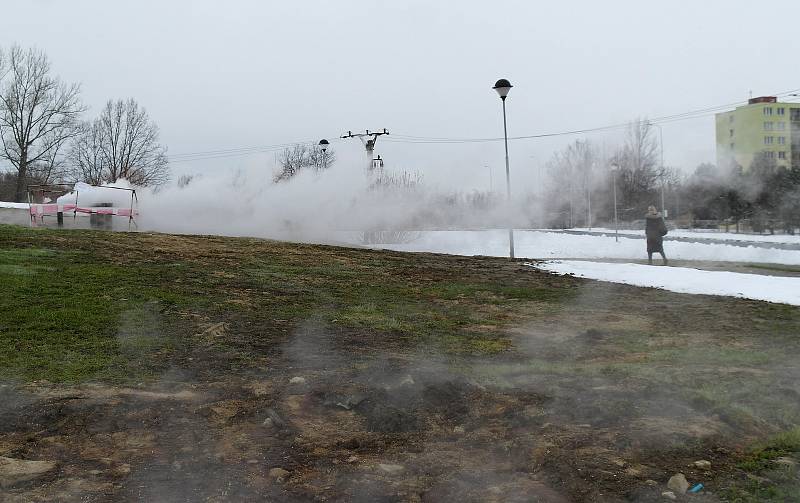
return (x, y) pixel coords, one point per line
(67, 317)
(82, 305)
(764, 480)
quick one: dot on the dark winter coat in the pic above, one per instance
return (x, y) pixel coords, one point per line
(655, 229)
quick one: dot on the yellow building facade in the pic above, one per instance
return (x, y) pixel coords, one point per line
(763, 125)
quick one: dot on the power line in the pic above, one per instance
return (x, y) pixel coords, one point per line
(693, 114)
(411, 139)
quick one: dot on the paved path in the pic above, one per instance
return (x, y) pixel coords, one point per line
(733, 242)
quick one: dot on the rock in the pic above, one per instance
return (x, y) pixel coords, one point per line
(267, 423)
(650, 482)
(391, 469)
(13, 471)
(297, 380)
(702, 464)
(459, 430)
(352, 459)
(678, 483)
(669, 495)
(786, 462)
(278, 474)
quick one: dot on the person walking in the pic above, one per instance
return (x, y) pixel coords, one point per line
(655, 230)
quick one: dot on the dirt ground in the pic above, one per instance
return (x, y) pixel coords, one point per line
(354, 428)
(580, 408)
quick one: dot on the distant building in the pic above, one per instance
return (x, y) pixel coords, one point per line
(763, 125)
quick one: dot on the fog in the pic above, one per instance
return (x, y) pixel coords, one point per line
(341, 204)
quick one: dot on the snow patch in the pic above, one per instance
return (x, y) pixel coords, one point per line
(784, 290)
(15, 206)
(542, 244)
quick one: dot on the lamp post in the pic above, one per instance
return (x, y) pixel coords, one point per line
(323, 144)
(661, 151)
(614, 168)
(502, 87)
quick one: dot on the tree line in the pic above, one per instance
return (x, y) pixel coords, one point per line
(45, 138)
(580, 187)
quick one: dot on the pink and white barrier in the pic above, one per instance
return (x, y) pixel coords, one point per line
(51, 209)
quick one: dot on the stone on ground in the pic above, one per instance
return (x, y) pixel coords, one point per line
(678, 483)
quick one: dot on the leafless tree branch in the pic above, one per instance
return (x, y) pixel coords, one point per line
(38, 115)
(121, 143)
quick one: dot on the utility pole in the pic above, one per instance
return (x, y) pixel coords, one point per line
(368, 139)
(614, 169)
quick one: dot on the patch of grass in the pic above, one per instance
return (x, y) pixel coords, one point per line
(63, 318)
(765, 479)
(775, 267)
(81, 302)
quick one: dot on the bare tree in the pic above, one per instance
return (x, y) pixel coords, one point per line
(38, 113)
(292, 160)
(121, 143)
(638, 165)
(571, 179)
(404, 181)
(52, 166)
(87, 160)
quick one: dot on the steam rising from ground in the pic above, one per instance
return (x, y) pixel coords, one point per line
(309, 207)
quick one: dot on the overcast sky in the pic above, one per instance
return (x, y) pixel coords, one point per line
(220, 75)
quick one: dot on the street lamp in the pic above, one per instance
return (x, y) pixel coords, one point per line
(614, 169)
(502, 87)
(661, 143)
(323, 144)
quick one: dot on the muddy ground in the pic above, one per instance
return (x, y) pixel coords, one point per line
(598, 398)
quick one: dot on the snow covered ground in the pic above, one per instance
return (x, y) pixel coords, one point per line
(547, 245)
(705, 234)
(685, 280)
(15, 206)
(594, 249)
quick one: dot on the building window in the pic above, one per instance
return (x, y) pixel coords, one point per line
(731, 133)
(781, 140)
(767, 110)
(781, 155)
(768, 140)
(730, 118)
(781, 111)
(794, 114)
(731, 146)
(768, 126)
(769, 155)
(780, 125)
